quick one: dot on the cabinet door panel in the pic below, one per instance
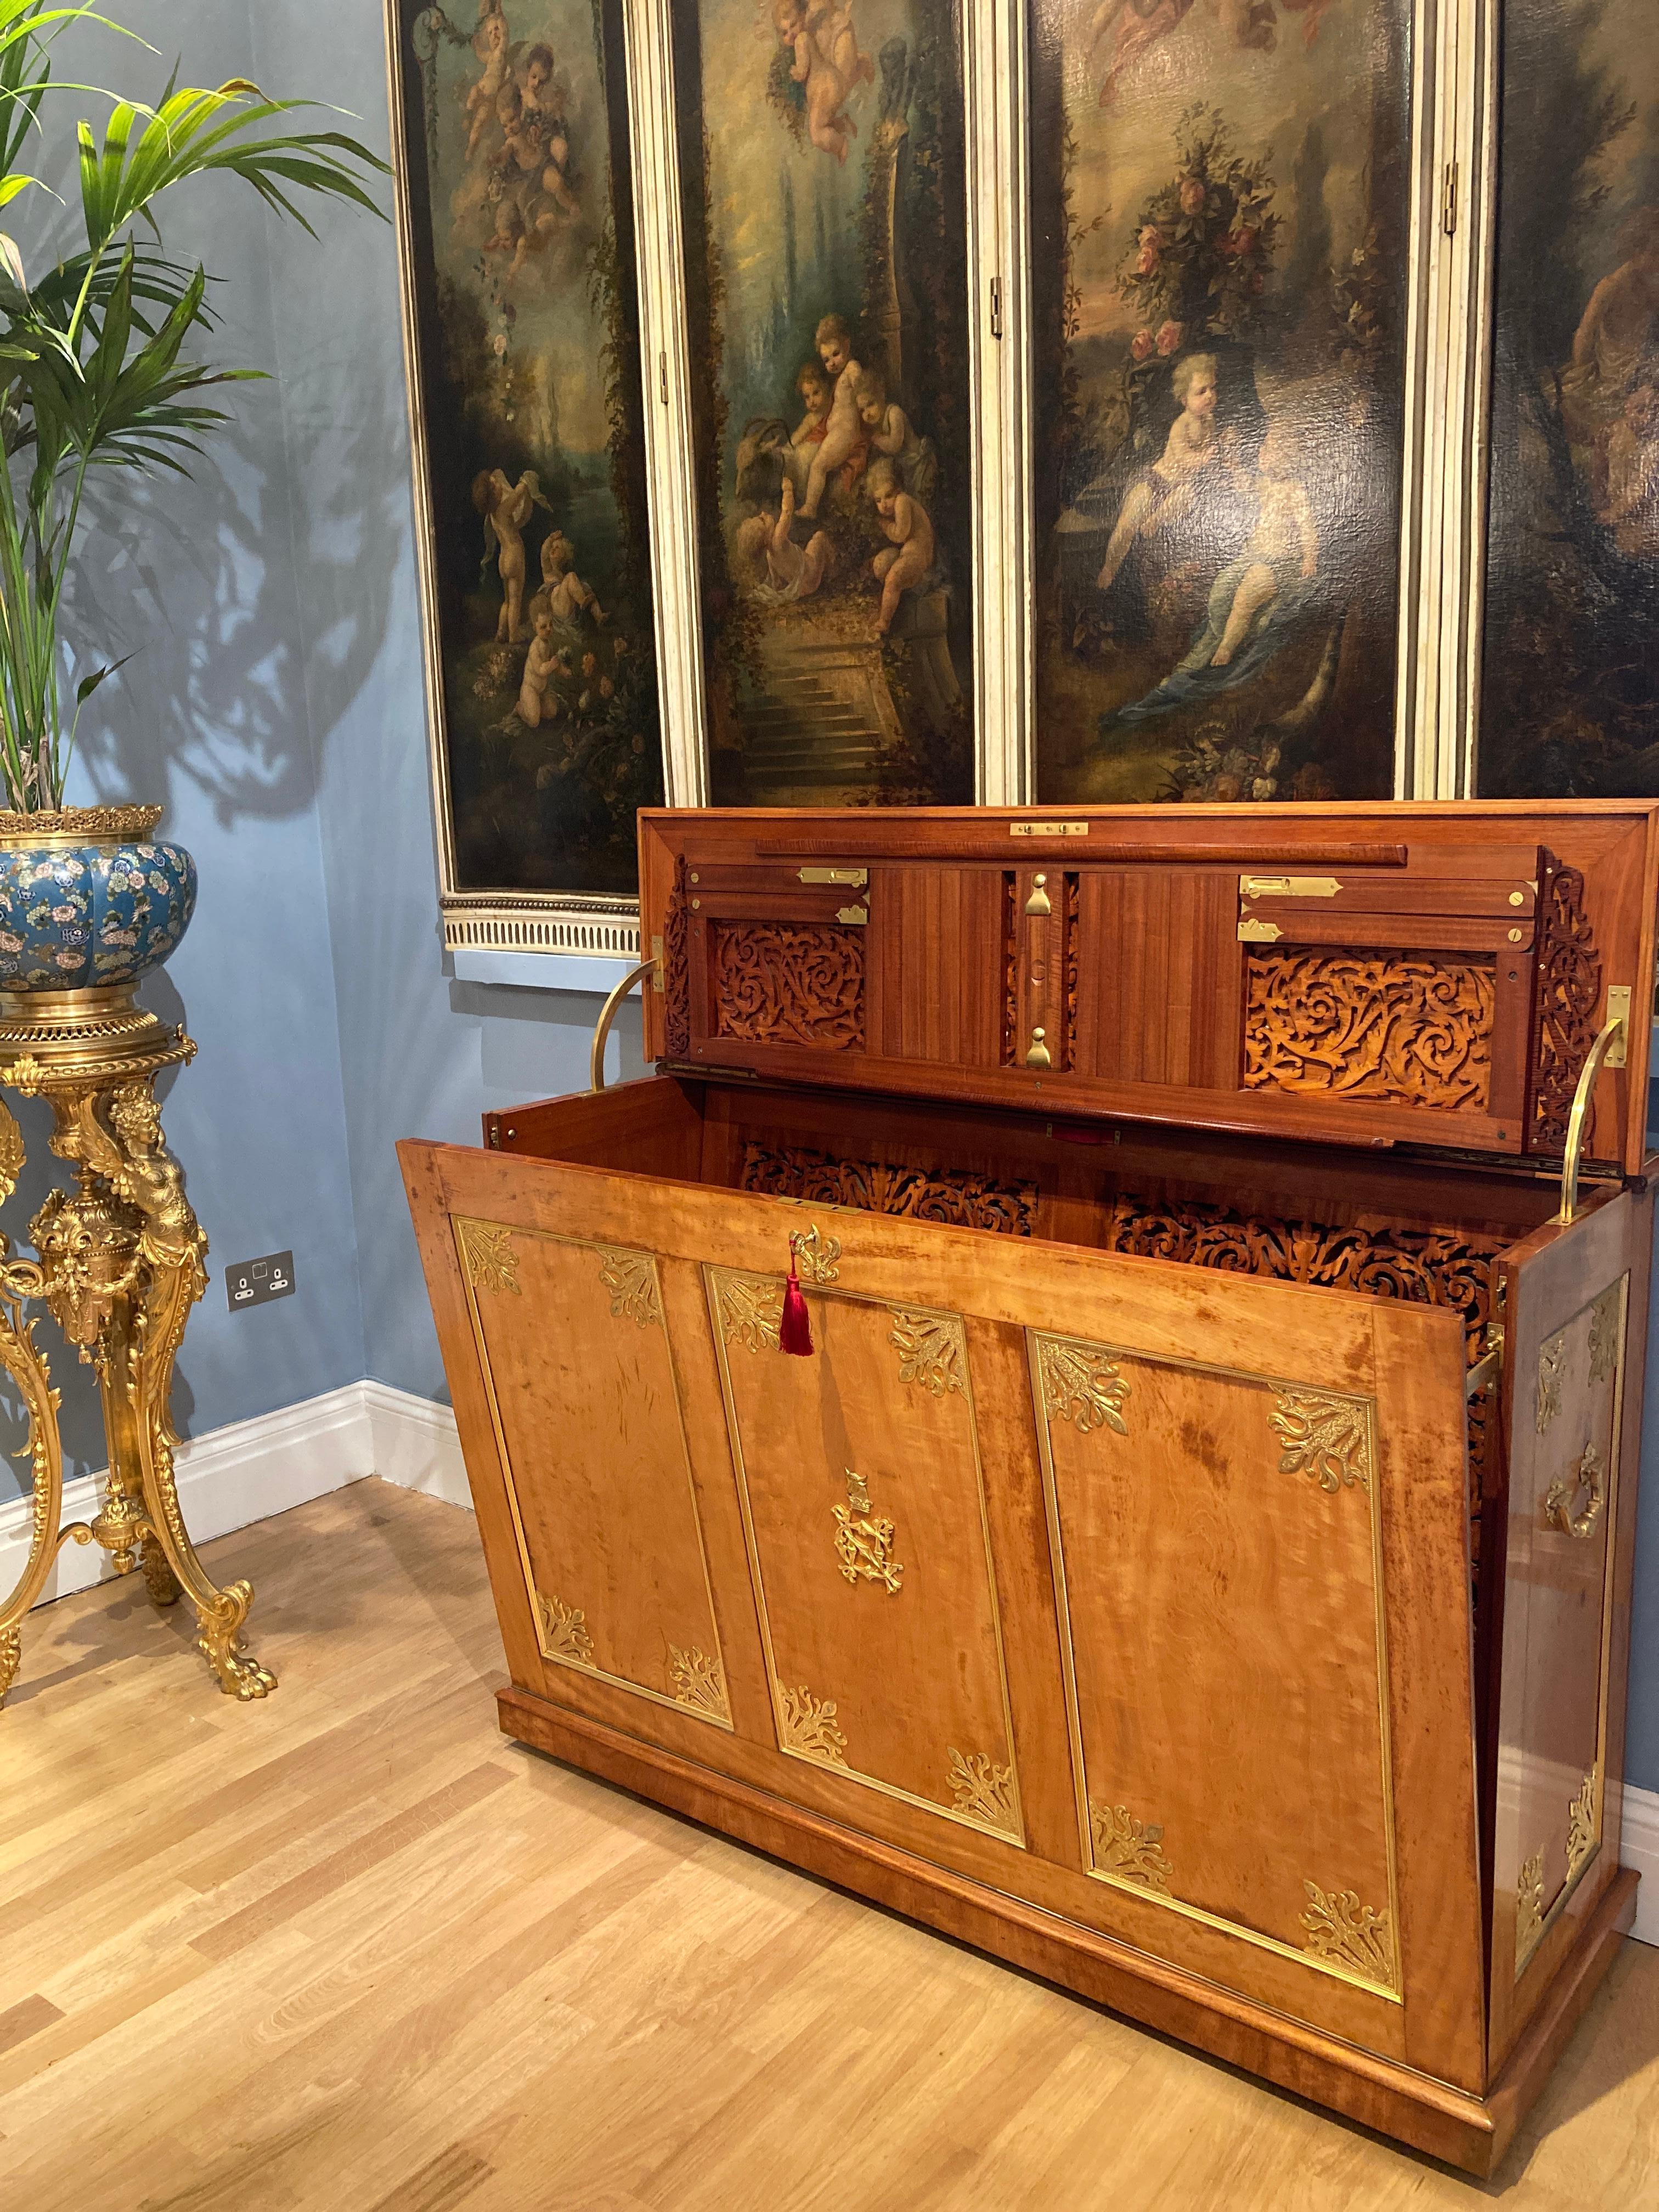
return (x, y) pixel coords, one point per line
(1216, 1553)
(590, 1434)
(1567, 1301)
(863, 1499)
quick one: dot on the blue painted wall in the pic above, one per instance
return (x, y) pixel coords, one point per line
(280, 702)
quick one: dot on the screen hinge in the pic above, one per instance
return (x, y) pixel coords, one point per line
(705, 1073)
(1489, 1368)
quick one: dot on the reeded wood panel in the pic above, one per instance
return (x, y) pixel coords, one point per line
(1217, 1547)
(588, 1425)
(1157, 992)
(863, 1499)
(933, 1007)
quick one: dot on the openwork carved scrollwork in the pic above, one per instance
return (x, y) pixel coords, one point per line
(1349, 1934)
(1401, 1028)
(965, 1202)
(1073, 913)
(789, 983)
(1426, 1266)
(1010, 969)
(1567, 990)
(677, 967)
(1130, 1849)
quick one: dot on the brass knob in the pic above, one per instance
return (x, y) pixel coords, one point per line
(1037, 1054)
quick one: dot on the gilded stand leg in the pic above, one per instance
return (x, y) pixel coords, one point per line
(25, 1363)
(124, 1262)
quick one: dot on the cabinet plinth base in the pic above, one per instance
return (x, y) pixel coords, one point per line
(1472, 2133)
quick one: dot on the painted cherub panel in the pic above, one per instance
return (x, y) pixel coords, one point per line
(826, 278)
(520, 222)
(1220, 215)
(1570, 679)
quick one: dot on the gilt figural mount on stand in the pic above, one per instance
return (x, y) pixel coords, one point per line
(120, 1263)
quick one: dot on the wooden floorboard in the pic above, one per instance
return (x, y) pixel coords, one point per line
(349, 1948)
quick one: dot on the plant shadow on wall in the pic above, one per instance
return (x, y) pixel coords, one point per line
(224, 687)
(108, 385)
(1570, 674)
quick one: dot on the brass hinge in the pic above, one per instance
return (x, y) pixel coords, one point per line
(1288, 887)
(662, 376)
(1448, 199)
(996, 306)
(656, 955)
(1047, 829)
(855, 878)
(1486, 1370)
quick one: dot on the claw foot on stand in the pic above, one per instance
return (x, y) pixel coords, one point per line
(240, 1675)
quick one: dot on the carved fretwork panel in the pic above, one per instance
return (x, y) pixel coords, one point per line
(1568, 989)
(967, 1201)
(1010, 968)
(1426, 1266)
(789, 983)
(1400, 1029)
(677, 974)
(1073, 926)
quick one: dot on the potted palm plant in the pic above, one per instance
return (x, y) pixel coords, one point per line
(102, 368)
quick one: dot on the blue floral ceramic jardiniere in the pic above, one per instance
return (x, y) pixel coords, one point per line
(88, 899)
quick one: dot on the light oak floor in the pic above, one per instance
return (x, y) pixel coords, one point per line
(350, 1951)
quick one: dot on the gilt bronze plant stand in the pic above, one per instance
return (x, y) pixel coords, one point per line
(120, 1264)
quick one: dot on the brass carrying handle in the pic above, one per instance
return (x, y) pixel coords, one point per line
(1578, 1120)
(608, 1013)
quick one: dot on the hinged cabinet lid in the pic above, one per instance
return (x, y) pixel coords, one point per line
(1375, 974)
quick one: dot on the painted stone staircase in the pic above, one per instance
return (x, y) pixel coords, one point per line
(802, 734)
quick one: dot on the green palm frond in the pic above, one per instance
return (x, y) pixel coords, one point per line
(97, 352)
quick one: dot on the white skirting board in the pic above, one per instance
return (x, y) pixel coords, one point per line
(255, 1468)
(1639, 1848)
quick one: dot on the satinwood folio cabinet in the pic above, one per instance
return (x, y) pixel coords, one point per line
(1193, 1561)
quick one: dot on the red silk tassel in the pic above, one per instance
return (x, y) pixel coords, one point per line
(794, 1328)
